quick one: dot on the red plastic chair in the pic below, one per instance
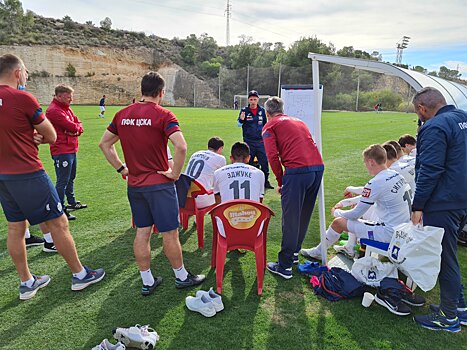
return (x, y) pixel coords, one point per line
(190, 209)
(239, 224)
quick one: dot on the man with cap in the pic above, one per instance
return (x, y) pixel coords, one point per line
(252, 119)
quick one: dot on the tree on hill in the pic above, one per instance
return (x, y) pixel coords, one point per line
(12, 16)
(420, 69)
(69, 24)
(297, 55)
(106, 23)
(449, 74)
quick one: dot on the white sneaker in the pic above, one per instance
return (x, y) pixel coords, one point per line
(141, 337)
(344, 250)
(201, 304)
(106, 345)
(312, 253)
(215, 298)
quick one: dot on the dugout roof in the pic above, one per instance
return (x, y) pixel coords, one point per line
(454, 93)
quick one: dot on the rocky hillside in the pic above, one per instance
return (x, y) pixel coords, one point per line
(97, 61)
(115, 72)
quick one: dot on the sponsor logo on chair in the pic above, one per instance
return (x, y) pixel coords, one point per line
(242, 216)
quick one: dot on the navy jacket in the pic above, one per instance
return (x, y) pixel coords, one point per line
(441, 164)
(252, 125)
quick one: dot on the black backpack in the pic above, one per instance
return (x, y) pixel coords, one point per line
(337, 284)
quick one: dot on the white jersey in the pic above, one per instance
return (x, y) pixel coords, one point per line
(388, 194)
(201, 166)
(239, 181)
(408, 159)
(407, 170)
(169, 155)
(413, 153)
(391, 194)
(370, 214)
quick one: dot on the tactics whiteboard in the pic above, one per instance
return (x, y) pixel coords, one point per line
(298, 102)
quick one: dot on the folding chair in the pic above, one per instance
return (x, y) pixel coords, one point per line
(239, 224)
(377, 248)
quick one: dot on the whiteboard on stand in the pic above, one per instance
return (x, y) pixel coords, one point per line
(299, 103)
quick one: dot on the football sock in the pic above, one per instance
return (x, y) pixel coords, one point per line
(351, 241)
(332, 237)
(27, 234)
(147, 277)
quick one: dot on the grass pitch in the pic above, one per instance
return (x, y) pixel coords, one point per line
(287, 316)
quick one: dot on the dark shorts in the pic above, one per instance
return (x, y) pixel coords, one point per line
(29, 197)
(154, 205)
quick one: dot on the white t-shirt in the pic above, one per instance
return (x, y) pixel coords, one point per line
(201, 166)
(389, 191)
(239, 181)
(407, 170)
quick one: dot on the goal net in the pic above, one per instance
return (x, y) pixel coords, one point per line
(243, 100)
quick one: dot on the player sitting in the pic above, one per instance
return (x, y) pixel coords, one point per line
(407, 170)
(202, 166)
(391, 194)
(408, 144)
(239, 180)
(400, 154)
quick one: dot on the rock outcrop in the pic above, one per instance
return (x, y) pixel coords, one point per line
(115, 72)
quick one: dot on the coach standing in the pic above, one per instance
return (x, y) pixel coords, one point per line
(143, 129)
(26, 192)
(289, 144)
(440, 198)
(68, 128)
(252, 119)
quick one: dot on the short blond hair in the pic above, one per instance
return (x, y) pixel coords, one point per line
(375, 152)
(63, 89)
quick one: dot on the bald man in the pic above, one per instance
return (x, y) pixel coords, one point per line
(440, 197)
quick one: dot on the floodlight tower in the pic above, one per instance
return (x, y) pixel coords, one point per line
(400, 48)
(228, 15)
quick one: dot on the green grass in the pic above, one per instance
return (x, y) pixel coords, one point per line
(287, 316)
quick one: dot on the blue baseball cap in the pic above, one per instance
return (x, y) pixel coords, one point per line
(253, 93)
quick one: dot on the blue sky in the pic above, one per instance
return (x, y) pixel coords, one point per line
(438, 30)
(432, 58)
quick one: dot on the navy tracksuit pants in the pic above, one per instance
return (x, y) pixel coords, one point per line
(299, 190)
(65, 169)
(257, 150)
(451, 288)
